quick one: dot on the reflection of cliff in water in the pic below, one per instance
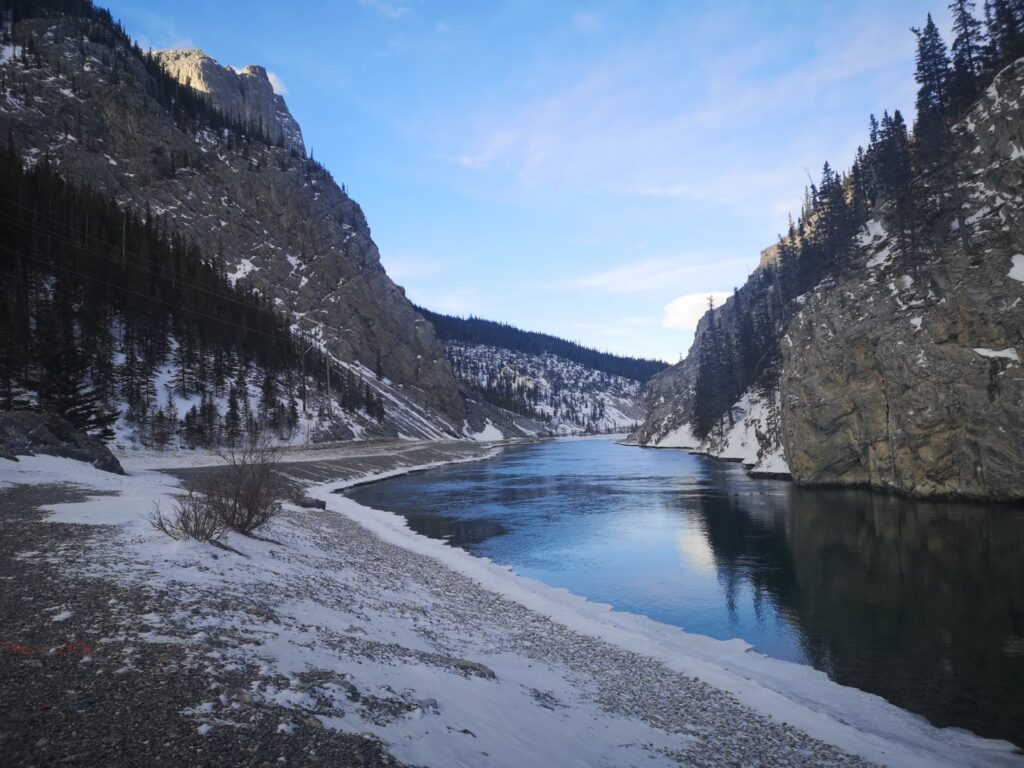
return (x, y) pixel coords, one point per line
(919, 602)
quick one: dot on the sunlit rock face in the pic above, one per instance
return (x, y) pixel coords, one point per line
(905, 373)
(246, 94)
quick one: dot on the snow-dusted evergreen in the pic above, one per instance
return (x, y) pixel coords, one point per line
(565, 396)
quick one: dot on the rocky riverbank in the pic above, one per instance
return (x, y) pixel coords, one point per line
(345, 639)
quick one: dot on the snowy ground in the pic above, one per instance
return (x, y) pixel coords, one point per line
(347, 620)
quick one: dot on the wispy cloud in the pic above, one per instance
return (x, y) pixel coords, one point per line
(651, 275)
(730, 130)
(684, 312)
(160, 34)
(391, 10)
(586, 22)
(409, 266)
(461, 301)
(277, 83)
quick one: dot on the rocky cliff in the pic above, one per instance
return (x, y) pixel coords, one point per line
(904, 372)
(86, 101)
(245, 94)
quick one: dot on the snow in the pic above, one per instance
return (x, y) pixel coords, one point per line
(681, 437)
(753, 438)
(1017, 270)
(393, 608)
(566, 396)
(488, 434)
(873, 230)
(916, 322)
(63, 616)
(8, 52)
(1008, 354)
(245, 267)
(880, 259)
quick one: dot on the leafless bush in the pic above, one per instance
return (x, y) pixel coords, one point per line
(192, 518)
(248, 491)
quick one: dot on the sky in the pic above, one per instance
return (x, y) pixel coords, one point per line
(594, 170)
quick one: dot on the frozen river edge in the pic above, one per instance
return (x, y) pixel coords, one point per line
(348, 621)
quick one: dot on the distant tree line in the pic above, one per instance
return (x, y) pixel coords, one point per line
(908, 178)
(475, 330)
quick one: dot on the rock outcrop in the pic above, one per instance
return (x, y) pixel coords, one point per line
(905, 372)
(276, 220)
(245, 94)
(26, 433)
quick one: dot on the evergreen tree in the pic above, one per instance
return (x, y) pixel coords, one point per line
(932, 75)
(967, 56)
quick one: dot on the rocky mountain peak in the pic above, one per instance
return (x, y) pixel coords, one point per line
(246, 94)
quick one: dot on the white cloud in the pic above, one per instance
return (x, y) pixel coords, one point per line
(390, 10)
(731, 130)
(277, 83)
(652, 274)
(685, 311)
(586, 22)
(461, 301)
(408, 266)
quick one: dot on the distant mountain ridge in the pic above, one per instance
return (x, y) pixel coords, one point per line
(476, 330)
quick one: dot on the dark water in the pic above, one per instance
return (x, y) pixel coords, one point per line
(919, 602)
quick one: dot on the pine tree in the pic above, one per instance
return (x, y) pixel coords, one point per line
(233, 418)
(967, 57)
(932, 75)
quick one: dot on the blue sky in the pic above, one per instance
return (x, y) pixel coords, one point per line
(592, 169)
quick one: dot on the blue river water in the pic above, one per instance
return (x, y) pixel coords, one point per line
(920, 602)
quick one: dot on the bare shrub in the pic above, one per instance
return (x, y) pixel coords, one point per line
(192, 518)
(247, 493)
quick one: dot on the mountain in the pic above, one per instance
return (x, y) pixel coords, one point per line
(884, 349)
(212, 156)
(541, 382)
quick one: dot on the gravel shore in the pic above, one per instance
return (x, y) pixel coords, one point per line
(324, 645)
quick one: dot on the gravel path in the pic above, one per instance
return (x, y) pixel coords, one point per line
(179, 661)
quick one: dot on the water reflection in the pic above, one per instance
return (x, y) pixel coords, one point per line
(922, 603)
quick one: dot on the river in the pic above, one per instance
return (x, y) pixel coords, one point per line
(919, 602)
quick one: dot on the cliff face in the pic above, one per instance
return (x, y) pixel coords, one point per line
(245, 94)
(277, 221)
(905, 373)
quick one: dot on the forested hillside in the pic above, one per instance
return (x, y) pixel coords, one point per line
(210, 160)
(111, 320)
(475, 330)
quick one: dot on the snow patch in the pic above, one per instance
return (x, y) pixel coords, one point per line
(1017, 270)
(681, 437)
(1008, 354)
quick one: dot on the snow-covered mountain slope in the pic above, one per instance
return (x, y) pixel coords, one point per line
(561, 396)
(223, 169)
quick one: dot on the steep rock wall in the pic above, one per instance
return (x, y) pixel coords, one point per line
(905, 373)
(277, 221)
